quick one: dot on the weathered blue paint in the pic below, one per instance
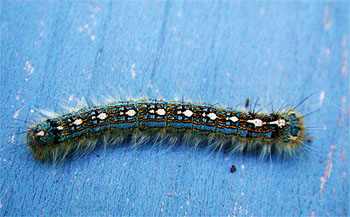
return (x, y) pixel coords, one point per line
(213, 52)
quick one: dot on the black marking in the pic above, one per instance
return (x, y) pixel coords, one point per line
(233, 169)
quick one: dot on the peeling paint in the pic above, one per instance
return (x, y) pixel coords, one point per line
(29, 68)
(132, 70)
(321, 98)
(15, 116)
(12, 139)
(327, 20)
(313, 213)
(262, 11)
(344, 66)
(342, 110)
(327, 171)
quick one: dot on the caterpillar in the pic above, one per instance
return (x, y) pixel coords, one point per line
(281, 132)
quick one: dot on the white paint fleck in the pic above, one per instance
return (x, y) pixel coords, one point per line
(327, 171)
(161, 112)
(78, 121)
(313, 213)
(342, 110)
(121, 113)
(212, 116)
(262, 11)
(179, 14)
(327, 20)
(70, 98)
(321, 98)
(327, 51)
(31, 111)
(15, 116)
(59, 128)
(93, 37)
(29, 68)
(132, 70)
(93, 117)
(40, 133)
(102, 116)
(151, 111)
(12, 139)
(131, 112)
(97, 9)
(344, 67)
(188, 113)
(162, 207)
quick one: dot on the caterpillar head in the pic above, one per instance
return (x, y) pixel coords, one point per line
(295, 131)
(40, 137)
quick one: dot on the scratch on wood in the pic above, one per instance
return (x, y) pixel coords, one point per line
(313, 213)
(344, 66)
(342, 155)
(327, 20)
(321, 98)
(327, 171)
(342, 110)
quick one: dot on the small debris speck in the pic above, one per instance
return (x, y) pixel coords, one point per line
(233, 169)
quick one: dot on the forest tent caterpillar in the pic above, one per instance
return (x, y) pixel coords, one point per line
(232, 129)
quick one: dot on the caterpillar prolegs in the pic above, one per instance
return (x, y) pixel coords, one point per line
(230, 129)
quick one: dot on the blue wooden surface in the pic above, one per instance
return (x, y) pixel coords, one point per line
(215, 52)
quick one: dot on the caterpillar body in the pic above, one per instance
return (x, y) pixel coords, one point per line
(232, 129)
